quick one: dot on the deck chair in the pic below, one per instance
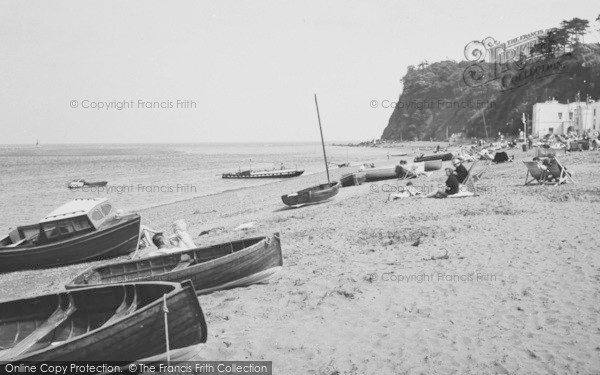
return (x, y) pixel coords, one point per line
(403, 173)
(473, 177)
(559, 170)
(537, 174)
(541, 176)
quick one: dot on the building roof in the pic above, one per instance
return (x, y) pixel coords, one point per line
(76, 207)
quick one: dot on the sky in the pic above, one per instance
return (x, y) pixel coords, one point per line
(242, 71)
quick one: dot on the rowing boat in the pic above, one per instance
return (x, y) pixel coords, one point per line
(312, 195)
(123, 322)
(79, 231)
(223, 266)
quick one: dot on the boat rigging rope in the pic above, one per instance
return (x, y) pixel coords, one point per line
(166, 311)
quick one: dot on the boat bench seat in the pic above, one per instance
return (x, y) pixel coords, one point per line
(57, 318)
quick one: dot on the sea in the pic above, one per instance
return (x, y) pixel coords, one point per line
(33, 180)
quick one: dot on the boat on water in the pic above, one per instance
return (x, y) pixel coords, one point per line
(123, 322)
(314, 194)
(78, 231)
(442, 157)
(223, 266)
(353, 179)
(274, 173)
(76, 184)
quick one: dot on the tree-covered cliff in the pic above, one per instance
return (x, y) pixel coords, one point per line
(451, 97)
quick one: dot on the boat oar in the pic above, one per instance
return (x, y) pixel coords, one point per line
(166, 312)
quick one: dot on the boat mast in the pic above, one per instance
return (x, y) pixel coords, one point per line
(322, 141)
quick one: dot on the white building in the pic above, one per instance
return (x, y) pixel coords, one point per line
(553, 117)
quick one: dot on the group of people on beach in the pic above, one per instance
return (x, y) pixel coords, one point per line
(456, 178)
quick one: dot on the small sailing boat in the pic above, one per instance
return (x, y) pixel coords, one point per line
(314, 194)
(37, 144)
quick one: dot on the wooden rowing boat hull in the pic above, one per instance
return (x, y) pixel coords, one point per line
(138, 335)
(222, 266)
(117, 240)
(312, 195)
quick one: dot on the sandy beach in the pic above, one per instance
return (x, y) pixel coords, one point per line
(507, 282)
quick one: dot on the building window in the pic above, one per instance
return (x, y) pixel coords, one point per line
(570, 115)
(560, 115)
(594, 111)
(551, 130)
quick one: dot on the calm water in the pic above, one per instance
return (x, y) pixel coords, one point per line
(34, 180)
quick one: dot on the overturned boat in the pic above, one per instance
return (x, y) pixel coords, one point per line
(353, 179)
(380, 173)
(442, 157)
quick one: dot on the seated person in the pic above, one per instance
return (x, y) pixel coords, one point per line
(181, 237)
(403, 172)
(416, 169)
(164, 245)
(554, 169)
(542, 164)
(501, 157)
(408, 191)
(452, 186)
(461, 172)
(485, 155)
(146, 236)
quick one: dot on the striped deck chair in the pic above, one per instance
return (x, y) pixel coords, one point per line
(540, 176)
(473, 178)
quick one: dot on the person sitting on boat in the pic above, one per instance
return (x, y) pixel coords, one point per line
(182, 238)
(161, 241)
(146, 235)
(163, 244)
(461, 172)
(452, 186)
